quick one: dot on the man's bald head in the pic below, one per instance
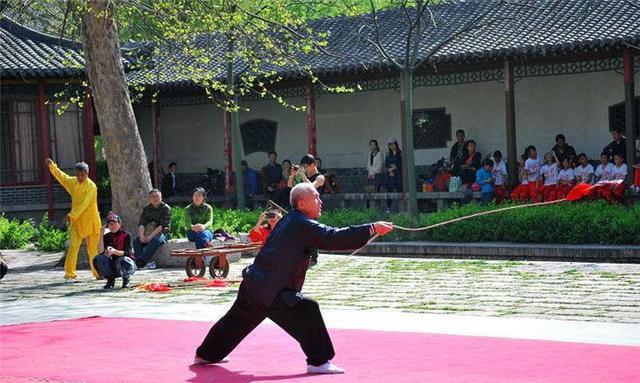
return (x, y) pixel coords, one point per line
(305, 198)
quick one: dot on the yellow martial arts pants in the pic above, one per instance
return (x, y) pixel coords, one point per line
(72, 254)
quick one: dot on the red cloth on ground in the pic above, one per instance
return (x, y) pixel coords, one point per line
(259, 235)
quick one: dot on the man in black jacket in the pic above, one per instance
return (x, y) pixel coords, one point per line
(271, 285)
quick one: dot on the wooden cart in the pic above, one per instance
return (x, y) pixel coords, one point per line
(218, 265)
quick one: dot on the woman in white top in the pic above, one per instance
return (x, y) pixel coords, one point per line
(375, 166)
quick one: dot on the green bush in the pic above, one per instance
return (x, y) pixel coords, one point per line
(588, 222)
(50, 238)
(15, 234)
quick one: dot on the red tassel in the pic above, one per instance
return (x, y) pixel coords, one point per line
(579, 192)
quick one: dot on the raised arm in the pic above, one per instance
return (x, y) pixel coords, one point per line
(63, 178)
(346, 238)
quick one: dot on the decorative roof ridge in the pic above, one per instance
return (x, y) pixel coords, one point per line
(8, 24)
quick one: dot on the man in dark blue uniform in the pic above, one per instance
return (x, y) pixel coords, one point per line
(271, 285)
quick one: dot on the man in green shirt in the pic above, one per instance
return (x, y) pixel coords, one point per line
(153, 229)
(199, 217)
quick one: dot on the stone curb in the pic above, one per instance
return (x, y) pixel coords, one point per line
(505, 251)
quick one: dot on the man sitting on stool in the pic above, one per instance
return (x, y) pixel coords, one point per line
(115, 258)
(271, 285)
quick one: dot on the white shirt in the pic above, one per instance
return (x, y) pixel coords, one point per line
(604, 172)
(500, 173)
(619, 172)
(550, 173)
(566, 176)
(378, 164)
(532, 166)
(582, 172)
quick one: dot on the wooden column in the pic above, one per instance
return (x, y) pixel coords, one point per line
(89, 138)
(228, 160)
(43, 122)
(157, 154)
(510, 109)
(311, 120)
(629, 111)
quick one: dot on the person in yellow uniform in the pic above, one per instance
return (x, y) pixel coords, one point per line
(84, 218)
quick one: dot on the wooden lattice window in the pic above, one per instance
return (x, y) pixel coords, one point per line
(431, 128)
(617, 116)
(258, 135)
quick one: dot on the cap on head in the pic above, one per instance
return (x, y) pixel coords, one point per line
(113, 217)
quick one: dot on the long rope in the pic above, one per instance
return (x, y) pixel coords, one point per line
(424, 228)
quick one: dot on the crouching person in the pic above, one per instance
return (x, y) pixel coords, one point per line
(116, 254)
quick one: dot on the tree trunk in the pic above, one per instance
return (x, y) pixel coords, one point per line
(235, 134)
(408, 157)
(130, 181)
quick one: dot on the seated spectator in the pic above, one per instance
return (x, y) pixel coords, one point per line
(584, 170)
(500, 176)
(521, 192)
(116, 254)
(441, 182)
(566, 179)
(620, 172)
(458, 152)
(604, 171)
(272, 177)
(549, 174)
(153, 230)
(484, 177)
(471, 163)
(532, 171)
(635, 187)
(563, 150)
(250, 178)
(199, 217)
(617, 146)
(375, 167)
(266, 222)
(169, 184)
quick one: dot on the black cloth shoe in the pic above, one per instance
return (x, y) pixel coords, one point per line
(125, 282)
(110, 283)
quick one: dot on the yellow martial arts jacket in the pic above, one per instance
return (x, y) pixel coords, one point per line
(84, 213)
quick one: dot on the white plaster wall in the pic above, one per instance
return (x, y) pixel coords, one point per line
(576, 105)
(192, 136)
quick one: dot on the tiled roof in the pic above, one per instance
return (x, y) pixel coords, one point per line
(26, 53)
(515, 29)
(457, 32)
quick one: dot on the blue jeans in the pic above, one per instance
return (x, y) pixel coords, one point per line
(201, 239)
(114, 267)
(144, 251)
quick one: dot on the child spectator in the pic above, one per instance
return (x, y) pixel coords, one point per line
(520, 192)
(484, 177)
(532, 171)
(584, 171)
(549, 173)
(566, 178)
(500, 176)
(619, 173)
(266, 222)
(605, 169)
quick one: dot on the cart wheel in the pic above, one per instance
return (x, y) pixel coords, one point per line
(216, 270)
(195, 267)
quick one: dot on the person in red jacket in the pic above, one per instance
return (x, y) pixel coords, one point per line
(266, 222)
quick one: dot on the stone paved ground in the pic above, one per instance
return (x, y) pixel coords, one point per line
(549, 290)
